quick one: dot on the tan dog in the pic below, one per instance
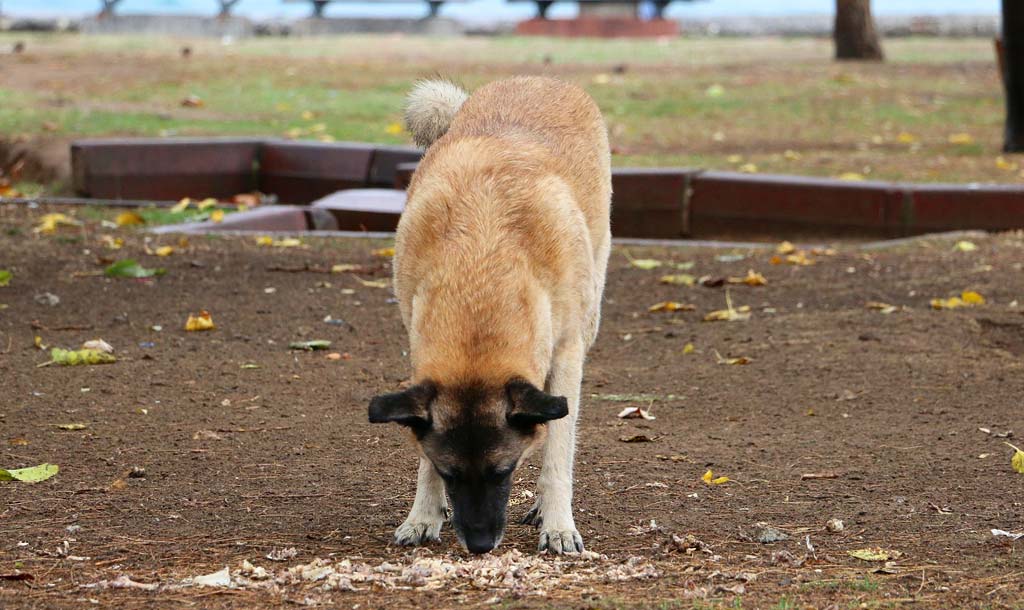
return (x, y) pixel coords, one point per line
(500, 265)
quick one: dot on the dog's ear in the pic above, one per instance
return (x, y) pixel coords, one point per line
(410, 407)
(529, 406)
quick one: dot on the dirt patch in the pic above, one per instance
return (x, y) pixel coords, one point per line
(843, 413)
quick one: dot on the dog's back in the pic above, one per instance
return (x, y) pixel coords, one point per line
(515, 192)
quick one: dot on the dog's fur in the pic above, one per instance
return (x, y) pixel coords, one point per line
(500, 263)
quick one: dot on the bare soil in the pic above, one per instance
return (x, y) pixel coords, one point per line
(241, 461)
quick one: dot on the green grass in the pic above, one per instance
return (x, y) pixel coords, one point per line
(784, 106)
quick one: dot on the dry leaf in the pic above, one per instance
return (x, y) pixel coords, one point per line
(384, 252)
(875, 554)
(906, 138)
(851, 177)
(129, 219)
(967, 298)
(688, 348)
(752, 278)
(1005, 165)
(192, 101)
(181, 206)
(164, 251)
(729, 314)
(394, 129)
(748, 168)
(99, 345)
(72, 426)
(636, 438)
(785, 248)
(671, 306)
(881, 307)
(684, 279)
(217, 216)
(201, 321)
(709, 478)
(961, 138)
(111, 242)
(965, 246)
(50, 222)
(645, 263)
(636, 413)
(738, 361)
(287, 242)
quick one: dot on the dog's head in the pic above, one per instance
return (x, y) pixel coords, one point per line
(475, 436)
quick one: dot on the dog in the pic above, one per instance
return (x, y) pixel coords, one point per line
(499, 270)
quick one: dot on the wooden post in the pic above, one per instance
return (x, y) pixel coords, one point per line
(855, 35)
(1013, 74)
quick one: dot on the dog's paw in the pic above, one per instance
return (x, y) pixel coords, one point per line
(558, 541)
(416, 533)
(534, 517)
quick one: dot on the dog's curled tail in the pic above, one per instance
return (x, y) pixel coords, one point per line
(430, 108)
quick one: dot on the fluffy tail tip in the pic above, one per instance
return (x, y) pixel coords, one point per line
(430, 108)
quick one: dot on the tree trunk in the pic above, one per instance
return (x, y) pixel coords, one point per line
(1013, 74)
(225, 8)
(108, 8)
(855, 34)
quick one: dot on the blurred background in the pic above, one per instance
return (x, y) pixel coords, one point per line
(894, 90)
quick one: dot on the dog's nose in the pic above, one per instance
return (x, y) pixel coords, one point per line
(479, 542)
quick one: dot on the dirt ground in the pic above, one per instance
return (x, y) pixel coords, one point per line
(240, 461)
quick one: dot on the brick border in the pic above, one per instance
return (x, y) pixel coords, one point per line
(647, 202)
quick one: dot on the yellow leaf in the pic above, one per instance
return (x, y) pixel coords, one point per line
(264, 240)
(38, 342)
(775, 260)
(965, 246)
(78, 357)
(372, 283)
(732, 361)
(752, 278)
(394, 129)
(792, 155)
(50, 222)
(384, 252)
(972, 298)
(343, 268)
(307, 115)
(710, 479)
(729, 314)
(906, 138)
(645, 263)
(748, 168)
(785, 248)
(72, 426)
(602, 79)
(201, 321)
(164, 251)
(206, 204)
(851, 176)
(1004, 164)
(671, 306)
(961, 138)
(181, 206)
(684, 279)
(111, 242)
(1017, 461)
(734, 158)
(129, 219)
(880, 307)
(874, 554)
(217, 215)
(688, 348)
(799, 258)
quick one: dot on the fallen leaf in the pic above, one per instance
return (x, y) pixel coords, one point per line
(715, 90)
(99, 345)
(384, 252)
(752, 278)
(967, 298)
(181, 206)
(129, 219)
(394, 129)
(645, 263)
(72, 426)
(1005, 534)
(709, 478)
(164, 251)
(785, 248)
(906, 138)
(960, 138)
(688, 348)
(132, 269)
(65, 357)
(287, 242)
(344, 268)
(799, 258)
(334, 356)
(217, 216)
(206, 435)
(192, 101)
(635, 413)
(748, 168)
(874, 554)
(310, 345)
(249, 365)
(371, 283)
(34, 474)
(111, 242)
(201, 321)
(851, 177)
(1003, 164)
(221, 578)
(5, 277)
(729, 314)
(965, 246)
(18, 441)
(881, 307)
(1017, 461)
(732, 361)
(671, 306)
(636, 438)
(50, 222)
(683, 279)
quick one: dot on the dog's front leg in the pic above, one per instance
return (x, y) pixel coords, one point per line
(429, 509)
(554, 486)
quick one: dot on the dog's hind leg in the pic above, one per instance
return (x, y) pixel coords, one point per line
(553, 511)
(429, 509)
